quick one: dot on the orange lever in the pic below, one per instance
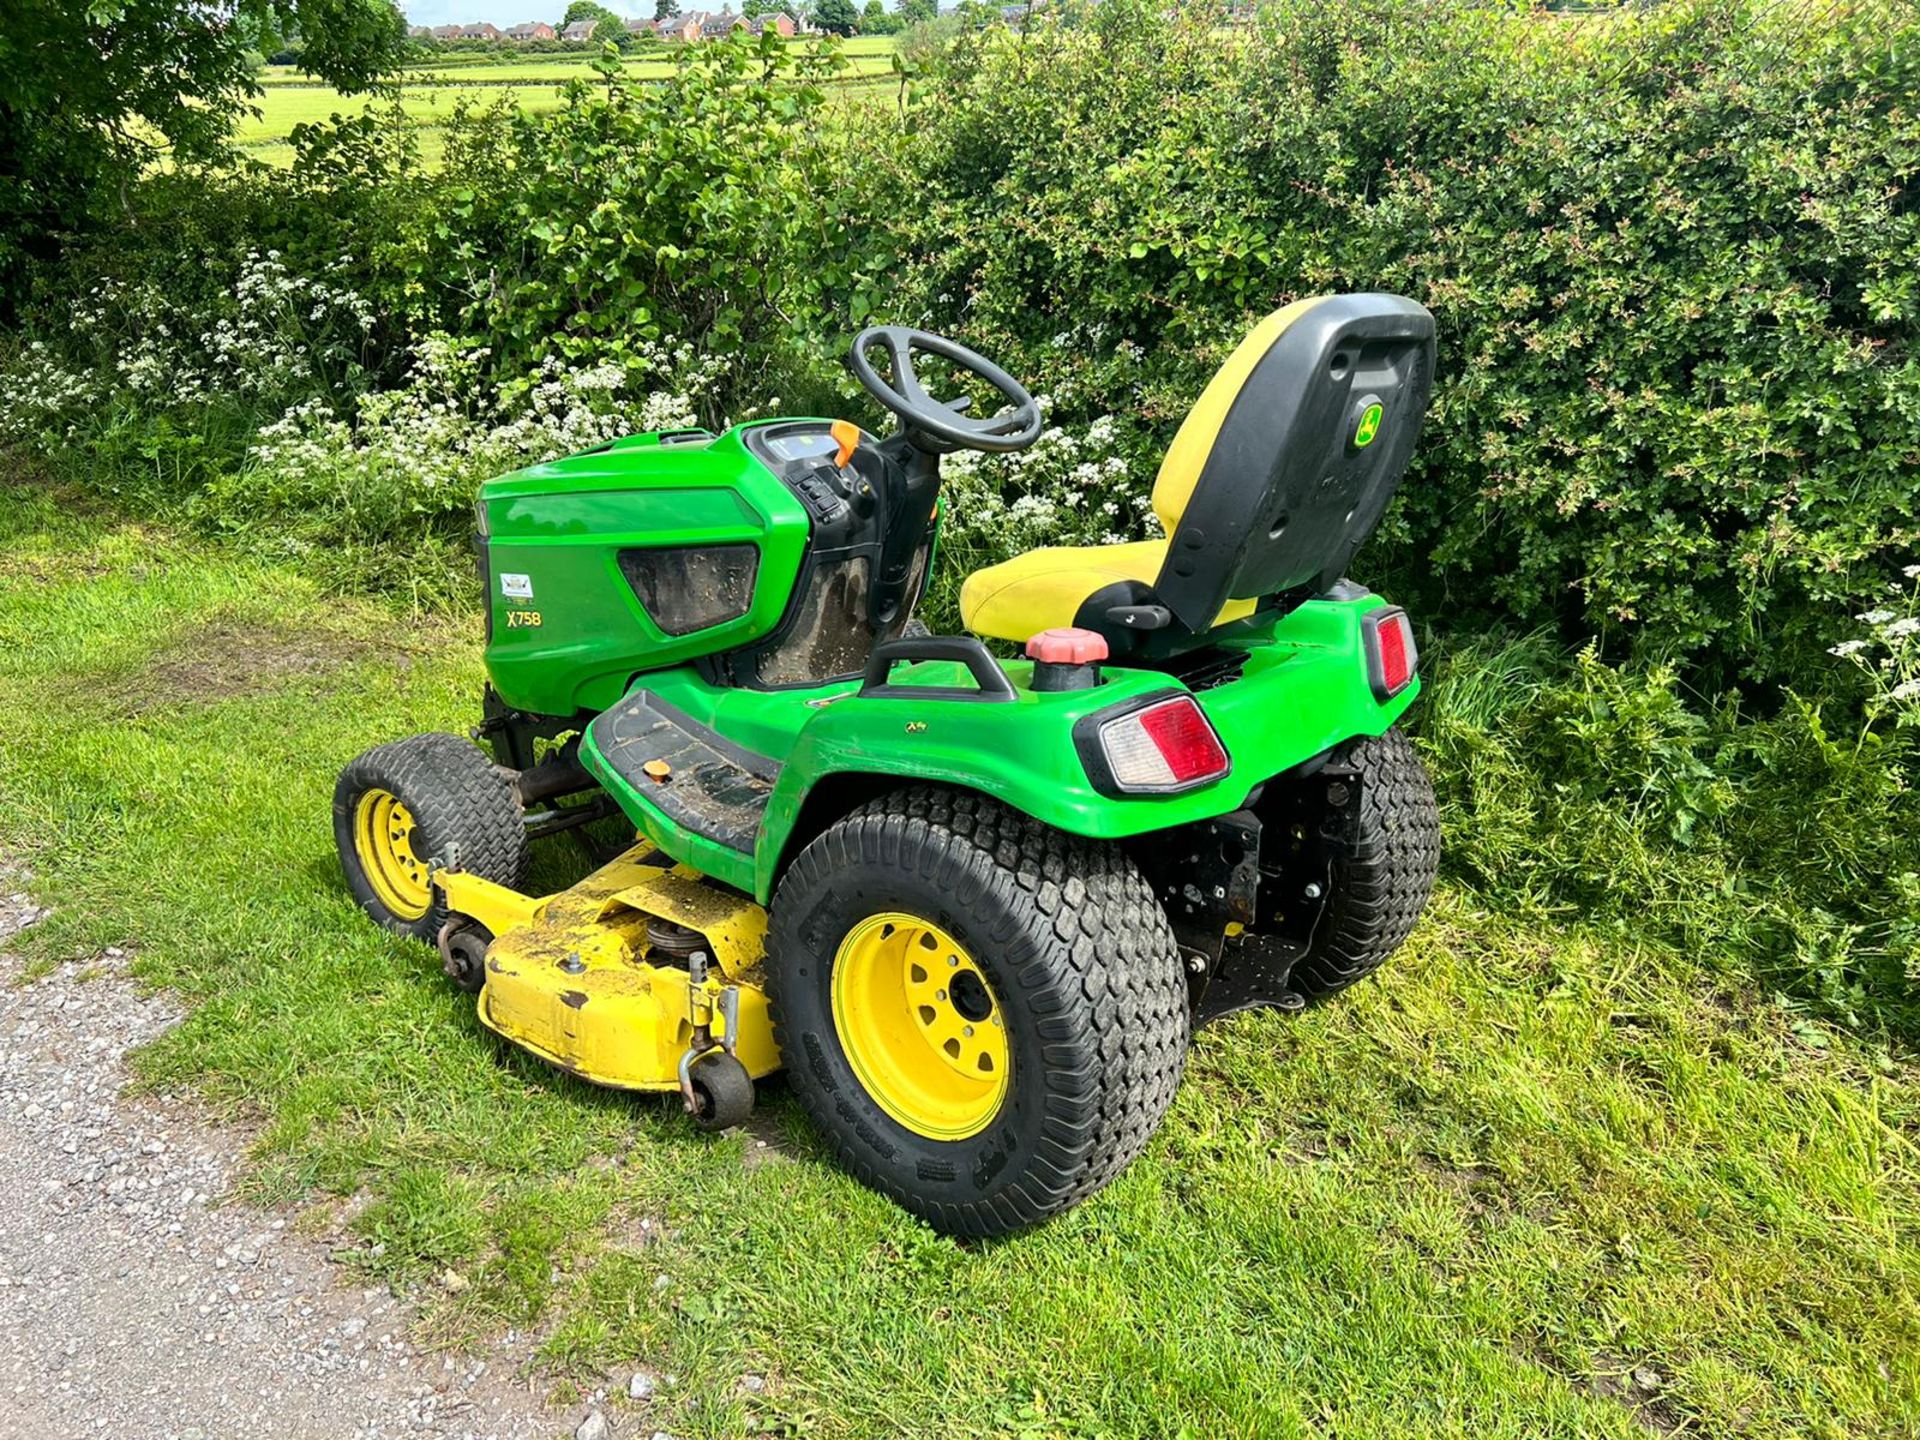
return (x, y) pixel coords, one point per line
(847, 435)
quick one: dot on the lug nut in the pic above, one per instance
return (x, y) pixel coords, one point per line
(1313, 892)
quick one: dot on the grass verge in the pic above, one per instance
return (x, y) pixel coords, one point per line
(1533, 1181)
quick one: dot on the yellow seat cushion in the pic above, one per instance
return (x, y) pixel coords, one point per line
(1043, 589)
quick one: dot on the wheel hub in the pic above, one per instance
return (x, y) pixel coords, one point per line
(920, 1025)
(383, 839)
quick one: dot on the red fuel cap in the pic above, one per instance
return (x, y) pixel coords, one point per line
(1067, 646)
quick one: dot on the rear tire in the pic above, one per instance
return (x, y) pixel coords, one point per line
(1379, 890)
(402, 808)
(1083, 990)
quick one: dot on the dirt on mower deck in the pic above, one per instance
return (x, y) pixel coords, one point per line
(135, 1304)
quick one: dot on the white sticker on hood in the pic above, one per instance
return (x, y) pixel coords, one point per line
(517, 587)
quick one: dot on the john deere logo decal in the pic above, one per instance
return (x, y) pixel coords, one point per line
(1368, 427)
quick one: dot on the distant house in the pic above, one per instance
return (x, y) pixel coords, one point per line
(718, 27)
(779, 22)
(419, 32)
(580, 31)
(681, 27)
(446, 32)
(478, 32)
(530, 30)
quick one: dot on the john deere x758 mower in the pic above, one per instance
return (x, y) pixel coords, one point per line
(974, 906)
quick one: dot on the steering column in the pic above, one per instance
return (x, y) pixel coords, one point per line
(929, 428)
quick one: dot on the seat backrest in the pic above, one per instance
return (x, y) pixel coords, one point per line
(1284, 465)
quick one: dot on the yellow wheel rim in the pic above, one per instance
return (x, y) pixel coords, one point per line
(383, 841)
(921, 1026)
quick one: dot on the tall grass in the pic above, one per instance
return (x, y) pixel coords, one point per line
(1784, 847)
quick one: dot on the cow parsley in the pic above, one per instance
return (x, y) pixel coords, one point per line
(1889, 653)
(423, 448)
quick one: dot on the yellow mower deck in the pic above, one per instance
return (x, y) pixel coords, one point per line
(569, 975)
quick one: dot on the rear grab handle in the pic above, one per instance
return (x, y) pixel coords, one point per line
(995, 687)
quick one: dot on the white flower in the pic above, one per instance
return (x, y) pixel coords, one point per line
(1912, 572)
(1876, 617)
(1848, 647)
(1907, 690)
(1900, 628)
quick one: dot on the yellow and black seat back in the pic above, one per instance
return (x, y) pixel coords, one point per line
(1284, 465)
(1279, 473)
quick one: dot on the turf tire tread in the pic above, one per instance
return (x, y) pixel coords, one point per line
(460, 800)
(1098, 972)
(1380, 889)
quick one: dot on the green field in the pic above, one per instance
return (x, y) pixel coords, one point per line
(1534, 1180)
(428, 93)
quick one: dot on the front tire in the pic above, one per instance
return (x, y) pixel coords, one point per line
(402, 808)
(1381, 886)
(985, 1017)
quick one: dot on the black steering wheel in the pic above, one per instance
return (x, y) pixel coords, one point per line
(943, 420)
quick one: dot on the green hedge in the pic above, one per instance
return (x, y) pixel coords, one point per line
(1670, 250)
(1671, 253)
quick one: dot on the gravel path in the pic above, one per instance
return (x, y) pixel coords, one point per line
(134, 1305)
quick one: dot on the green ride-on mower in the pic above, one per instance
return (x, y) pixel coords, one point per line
(974, 906)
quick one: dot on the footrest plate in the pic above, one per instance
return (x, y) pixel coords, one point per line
(692, 774)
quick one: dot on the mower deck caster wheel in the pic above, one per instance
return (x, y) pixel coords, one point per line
(722, 1093)
(463, 955)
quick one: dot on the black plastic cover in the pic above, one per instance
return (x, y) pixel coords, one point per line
(1303, 464)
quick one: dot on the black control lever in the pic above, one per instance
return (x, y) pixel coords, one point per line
(1140, 617)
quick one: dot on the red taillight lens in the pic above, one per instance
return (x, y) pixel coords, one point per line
(1164, 746)
(1392, 657)
(1395, 668)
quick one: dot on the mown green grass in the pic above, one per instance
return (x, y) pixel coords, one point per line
(428, 93)
(426, 106)
(1471, 1199)
(467, 68)
(557, 68)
